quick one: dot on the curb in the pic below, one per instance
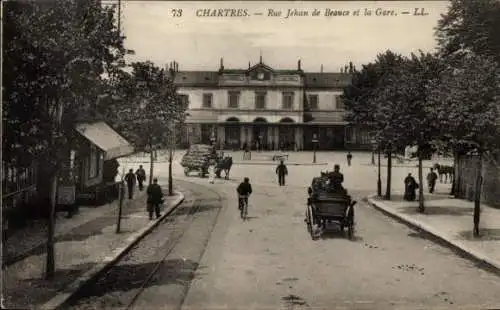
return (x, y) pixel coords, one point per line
(478, 257)
(62, 300)
(276, 163)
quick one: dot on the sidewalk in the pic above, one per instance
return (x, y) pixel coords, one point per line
(450, 220)
(85, 245)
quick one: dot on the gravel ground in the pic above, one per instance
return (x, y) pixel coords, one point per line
(118, 287)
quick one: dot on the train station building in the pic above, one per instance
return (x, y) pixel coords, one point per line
(267, 108)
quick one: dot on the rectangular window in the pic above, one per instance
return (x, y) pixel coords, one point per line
(207, 100)
(233, 100)
(184, 100)
(288, 100)
(260, 100)
(313, 102)
(339, 103)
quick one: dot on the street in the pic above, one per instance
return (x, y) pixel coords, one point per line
(270, 261)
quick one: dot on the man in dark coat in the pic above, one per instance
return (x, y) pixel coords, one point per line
(336, 179)
(431, 180)
(281, 171)
(410, 187)
(141, 177)
(155, 198)
(130, 179)
(244, 189)
(349, 158)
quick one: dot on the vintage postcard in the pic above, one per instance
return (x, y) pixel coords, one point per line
(250, 154)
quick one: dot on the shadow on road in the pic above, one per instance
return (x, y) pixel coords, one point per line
(485, 234)
(437, 210)
(208, 205)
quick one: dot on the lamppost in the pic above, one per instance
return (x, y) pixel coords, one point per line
(315, 143)
(379, 182)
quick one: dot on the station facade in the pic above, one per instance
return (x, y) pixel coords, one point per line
(265, 108)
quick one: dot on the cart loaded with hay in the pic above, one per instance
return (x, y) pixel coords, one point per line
(198, 158)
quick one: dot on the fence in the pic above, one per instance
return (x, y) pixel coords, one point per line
(466, 177)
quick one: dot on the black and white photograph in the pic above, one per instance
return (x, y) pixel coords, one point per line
(264, 155)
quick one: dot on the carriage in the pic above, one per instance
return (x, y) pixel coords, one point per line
(198, 158)
(325, 205)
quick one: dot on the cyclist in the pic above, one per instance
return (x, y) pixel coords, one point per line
(244, 189)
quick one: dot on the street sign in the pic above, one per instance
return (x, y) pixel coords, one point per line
(66, 195)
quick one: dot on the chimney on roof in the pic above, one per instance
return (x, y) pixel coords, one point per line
(321, 68)
(249, 65)
(260, 59)
(299, 65)
(221, 64)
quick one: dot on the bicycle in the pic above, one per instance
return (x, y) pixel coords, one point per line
(244, 208)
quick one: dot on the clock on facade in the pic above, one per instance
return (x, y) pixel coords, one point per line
(260, 75)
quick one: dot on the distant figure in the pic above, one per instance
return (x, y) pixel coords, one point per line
(410, 187)
(431, 180)
(211, 172)
(281, 171)
(247, 155)
(155, 198)
(130, 179)
(141, 176)
(349, 158)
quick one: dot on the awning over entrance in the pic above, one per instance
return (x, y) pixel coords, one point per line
(106, 139)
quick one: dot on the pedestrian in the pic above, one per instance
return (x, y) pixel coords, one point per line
(141, 177)
(281, 171)
(211, 172)
(410, 187)
(349, 158)
(155, 198)
(130, 179)
(431, 180)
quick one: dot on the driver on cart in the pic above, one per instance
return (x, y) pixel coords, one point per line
(336, 178)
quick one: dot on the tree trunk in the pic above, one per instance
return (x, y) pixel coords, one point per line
(389, 170)
(50, 258)
(454, 184)
(477, 196)
(151, 164)
(421, 207)
(170, 179)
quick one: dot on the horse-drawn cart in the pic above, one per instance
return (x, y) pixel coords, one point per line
(326, 206)
(198, 159)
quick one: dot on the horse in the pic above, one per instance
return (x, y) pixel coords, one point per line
(445, 171)
(224, 165)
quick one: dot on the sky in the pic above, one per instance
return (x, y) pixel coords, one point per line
(198, 43)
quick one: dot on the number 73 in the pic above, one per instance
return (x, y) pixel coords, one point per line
(176, 12)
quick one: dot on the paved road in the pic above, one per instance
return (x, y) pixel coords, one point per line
(270, 262)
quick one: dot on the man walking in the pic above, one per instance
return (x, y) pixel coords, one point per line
(349, 158)
(130, 179)
(281, 171)
(155, 198)
(141, 177)
(431, 180)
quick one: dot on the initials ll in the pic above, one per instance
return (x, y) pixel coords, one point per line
(420, 12)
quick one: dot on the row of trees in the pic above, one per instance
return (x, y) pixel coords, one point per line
(443, 101)
(64, 62)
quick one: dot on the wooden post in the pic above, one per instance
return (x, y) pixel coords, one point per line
(121, 192)
(477, 196)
